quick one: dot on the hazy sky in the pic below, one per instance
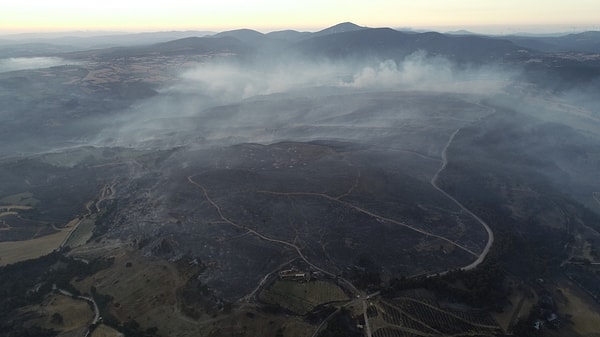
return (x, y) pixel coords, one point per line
(266, 15)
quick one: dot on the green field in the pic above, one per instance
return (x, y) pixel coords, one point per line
(21, 199)
(302, 297)
(82, 233)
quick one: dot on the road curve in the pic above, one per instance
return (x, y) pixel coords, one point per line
(89, 299)
(374, 215)
(490, 234)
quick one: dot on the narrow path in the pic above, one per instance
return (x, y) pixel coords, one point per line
(374, 215)
(490, 234)
(596, 196)
(516, 314)
(263, 281)
(107, 192)
(316, 333)
(366, 317)
(71, 230)
(84, 298)
(266, 238)
(354, 186)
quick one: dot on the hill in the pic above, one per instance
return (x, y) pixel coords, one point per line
(389, 43)
(185, 46)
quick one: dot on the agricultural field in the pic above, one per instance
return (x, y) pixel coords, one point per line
(82, 233)
(16, 251)
(301, 297)
(254, 323)
(411, 317)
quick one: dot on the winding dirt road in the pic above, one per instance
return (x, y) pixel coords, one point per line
(360, 295)
(490, 234)
(89, 299)
(374, 215)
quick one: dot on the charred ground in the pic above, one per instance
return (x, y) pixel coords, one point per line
(187, 189)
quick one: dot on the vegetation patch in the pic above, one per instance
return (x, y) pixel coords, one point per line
(302, 297)
(82, 233)
(20, 199)
(62, 313)
(28, 304)
(137, 293)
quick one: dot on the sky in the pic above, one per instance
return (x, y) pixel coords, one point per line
(309, 15)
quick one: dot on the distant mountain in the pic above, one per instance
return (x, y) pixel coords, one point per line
(339, 28)
(55, 35)
(410, 30)
(461, 32)
(81, 41)
(345, 40)
(392, 44)
(581, 42)
(247, 36)
(289, 35)
(532, 43)
(185, 46)
(32, 49)
(193, 45)
(253, 37)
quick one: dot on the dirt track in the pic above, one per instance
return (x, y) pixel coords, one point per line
(434, 180)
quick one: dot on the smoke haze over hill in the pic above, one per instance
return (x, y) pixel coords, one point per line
(213, 84)
(25, 63)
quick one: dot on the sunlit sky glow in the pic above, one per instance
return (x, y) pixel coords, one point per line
(267, 15)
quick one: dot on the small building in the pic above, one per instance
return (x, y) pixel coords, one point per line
(295, 274)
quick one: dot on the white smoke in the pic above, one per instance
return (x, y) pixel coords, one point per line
(229, 83)
(24, 63)
(187, 104)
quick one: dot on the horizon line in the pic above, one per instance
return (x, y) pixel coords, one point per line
(492, 29)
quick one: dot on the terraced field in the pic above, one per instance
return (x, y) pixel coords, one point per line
(407, 317)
